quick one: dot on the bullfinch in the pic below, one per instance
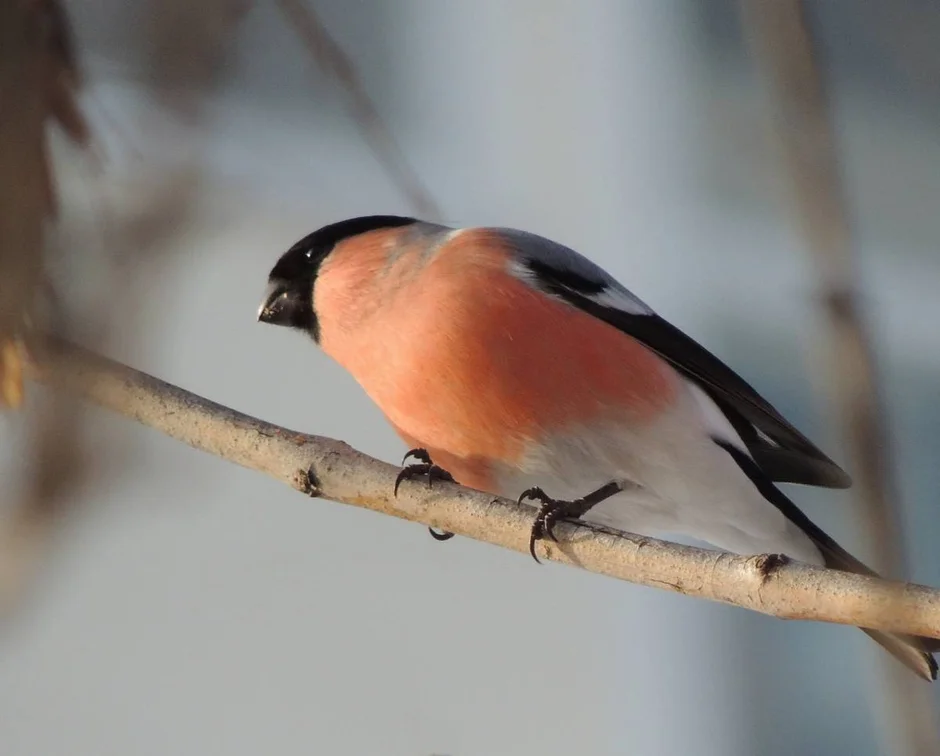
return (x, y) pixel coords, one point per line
(525, 370)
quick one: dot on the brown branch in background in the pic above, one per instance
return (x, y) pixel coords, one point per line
(186, 45)
(331, 58)
(811, 158)
(768, 584)
(39, 76)
(784, 48)
(63, 75)
(185, 48)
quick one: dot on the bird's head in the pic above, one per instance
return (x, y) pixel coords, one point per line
(290, 300)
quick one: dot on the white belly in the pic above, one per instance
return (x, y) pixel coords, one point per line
(689, 484)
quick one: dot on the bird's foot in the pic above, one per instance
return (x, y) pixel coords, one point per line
(424, 467)
(550, 511)
(553, 510)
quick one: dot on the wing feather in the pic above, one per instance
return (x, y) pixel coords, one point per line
(779, 449)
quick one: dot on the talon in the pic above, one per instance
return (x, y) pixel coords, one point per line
(419, 454)
(535, 493)
(409, 472)
(547, 516)
(424, 466)
(439, 473)
(550, 518)
(537, 533)
(532, 539)
(544, 524)
(553, 510)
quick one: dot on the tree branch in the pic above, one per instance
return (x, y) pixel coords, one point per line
(767, 584)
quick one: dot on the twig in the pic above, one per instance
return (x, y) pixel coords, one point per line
(766, 584)
(784, 47)
(187, 46)
(810, 157)
(328, 54)
(39, 77)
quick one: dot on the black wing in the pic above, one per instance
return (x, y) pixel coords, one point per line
(783, 453)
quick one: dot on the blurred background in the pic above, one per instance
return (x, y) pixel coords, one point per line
(190, 606)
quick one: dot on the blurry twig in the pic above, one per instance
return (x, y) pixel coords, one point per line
(331, 469)
(185, 45)
(39, 76)
(784, 47)
(330, 56)
(188, 44)
(810, 154)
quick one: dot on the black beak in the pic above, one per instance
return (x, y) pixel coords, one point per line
(285, 305)
(274, 305)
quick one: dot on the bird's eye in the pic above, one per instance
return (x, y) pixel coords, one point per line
(309, 253)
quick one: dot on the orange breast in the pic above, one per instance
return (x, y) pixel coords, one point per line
(473, 363)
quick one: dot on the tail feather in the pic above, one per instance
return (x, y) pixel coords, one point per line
(910, 650)
(913, 651)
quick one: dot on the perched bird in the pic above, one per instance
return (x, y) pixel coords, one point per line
(525, 370)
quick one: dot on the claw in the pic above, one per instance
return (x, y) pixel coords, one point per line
(411, 471)
(424, 466)
(419, 454)
(553, 510)
(541, 526)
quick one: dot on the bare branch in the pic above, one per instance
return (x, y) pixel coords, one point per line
(767, 584)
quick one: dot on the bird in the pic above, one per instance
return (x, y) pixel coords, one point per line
(515, 365)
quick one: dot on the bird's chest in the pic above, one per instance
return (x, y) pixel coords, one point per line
(453, 385)
(490, 373)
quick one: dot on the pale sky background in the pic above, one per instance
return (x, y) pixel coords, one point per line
(194, 607)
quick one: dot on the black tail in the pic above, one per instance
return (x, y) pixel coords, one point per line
(914, 652)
